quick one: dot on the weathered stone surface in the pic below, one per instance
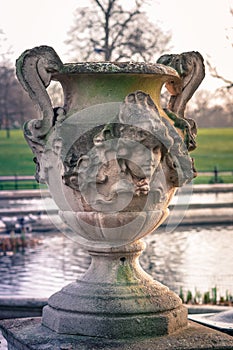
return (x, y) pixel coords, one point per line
(112, 158)
(29, 334)
(111, 327)
(130, 163)
(115, 298)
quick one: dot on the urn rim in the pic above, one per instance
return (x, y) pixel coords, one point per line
(130, 67)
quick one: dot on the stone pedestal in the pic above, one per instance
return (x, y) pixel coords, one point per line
(115, 298)
(29, 334)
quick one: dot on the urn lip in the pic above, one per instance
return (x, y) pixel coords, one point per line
(119, 68)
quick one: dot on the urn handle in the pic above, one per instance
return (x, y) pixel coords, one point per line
(34, 69)
(190, 66)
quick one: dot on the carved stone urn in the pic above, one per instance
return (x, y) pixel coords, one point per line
(112, 158)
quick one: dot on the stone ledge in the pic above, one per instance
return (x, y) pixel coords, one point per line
(29, 334)
(21, 307)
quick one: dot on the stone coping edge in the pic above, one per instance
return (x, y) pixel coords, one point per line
(215, 188)
(28, 333)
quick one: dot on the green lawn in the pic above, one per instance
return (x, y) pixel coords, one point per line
(215, 148)
(15, 156)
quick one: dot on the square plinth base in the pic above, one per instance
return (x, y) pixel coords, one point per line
(25, 334)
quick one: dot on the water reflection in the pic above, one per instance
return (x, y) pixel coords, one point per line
(39, 271)
(198, 258)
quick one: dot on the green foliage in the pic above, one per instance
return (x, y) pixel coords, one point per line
(208, 297)
(197, 297)
(214, 295)
(229, 297)
(189, 297)
(181, 294)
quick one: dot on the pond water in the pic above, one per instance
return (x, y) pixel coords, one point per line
(194, 258)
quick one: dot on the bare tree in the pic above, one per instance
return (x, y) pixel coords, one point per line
(6, 82)
(109, 31)
(211, 109)
(227, 98)
(228, 83)
(15, 105)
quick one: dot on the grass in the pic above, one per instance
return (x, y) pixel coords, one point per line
(215, 148)
(15, 156)
(206, 179)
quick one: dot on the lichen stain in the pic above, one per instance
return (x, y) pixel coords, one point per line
(125, 274)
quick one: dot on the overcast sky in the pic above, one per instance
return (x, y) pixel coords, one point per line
(200, 25)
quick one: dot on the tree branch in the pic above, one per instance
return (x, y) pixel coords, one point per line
(215, 74)
(123, 25)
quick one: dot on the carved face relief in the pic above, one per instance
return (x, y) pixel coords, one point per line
(111, 166)
(130, 160)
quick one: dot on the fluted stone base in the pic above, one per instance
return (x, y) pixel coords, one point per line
(115, 299)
